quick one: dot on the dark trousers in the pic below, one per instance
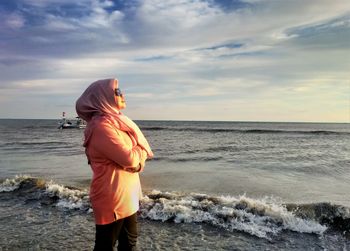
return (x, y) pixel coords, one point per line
(124, 230)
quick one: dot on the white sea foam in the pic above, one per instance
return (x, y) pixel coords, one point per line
(68, 197)
(10, 185)
(262, 217)
(259, 217)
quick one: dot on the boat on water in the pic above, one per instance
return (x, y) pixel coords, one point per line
(76, 123)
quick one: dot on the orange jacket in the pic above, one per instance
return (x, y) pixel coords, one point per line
(114, 192)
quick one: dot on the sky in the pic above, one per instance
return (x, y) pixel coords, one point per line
(222, 60)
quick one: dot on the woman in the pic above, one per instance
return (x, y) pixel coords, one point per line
(116, 150)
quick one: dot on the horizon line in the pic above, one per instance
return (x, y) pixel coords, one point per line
(187, 120)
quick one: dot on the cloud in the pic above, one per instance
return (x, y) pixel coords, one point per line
(154, 58)
(14, 21)
(194, 54)
(62, 29)
(329, 34)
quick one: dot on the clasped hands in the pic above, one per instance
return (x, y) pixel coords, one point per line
(140, 166)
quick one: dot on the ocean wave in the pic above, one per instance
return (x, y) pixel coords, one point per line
(47, 192)
(33, 143)
(187, 159)
(68, 197)
(13, 184)
(336, 216)
(264, 217)
(37, 145)
(247, 131)
(259, 217)
(213, 149)
(47, 147)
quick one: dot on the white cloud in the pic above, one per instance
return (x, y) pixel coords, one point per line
(46, 3)
(55, 23)
(140, 95)
(101, 18)
(14, 20)
(177, 14)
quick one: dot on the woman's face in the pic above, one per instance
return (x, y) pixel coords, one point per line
(119, 99)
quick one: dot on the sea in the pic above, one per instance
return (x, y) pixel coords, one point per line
(211, 186)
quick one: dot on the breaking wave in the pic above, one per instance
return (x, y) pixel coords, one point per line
(47, 192)
(264, 217)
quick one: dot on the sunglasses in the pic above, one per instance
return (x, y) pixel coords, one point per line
(118, 92)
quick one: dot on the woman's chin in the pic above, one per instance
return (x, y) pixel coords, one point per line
(121, 107)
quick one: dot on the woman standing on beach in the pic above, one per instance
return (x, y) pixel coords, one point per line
(116, 150)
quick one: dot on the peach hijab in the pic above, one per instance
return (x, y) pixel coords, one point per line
(98, 101)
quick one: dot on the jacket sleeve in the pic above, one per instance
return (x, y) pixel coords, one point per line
(110, 143)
